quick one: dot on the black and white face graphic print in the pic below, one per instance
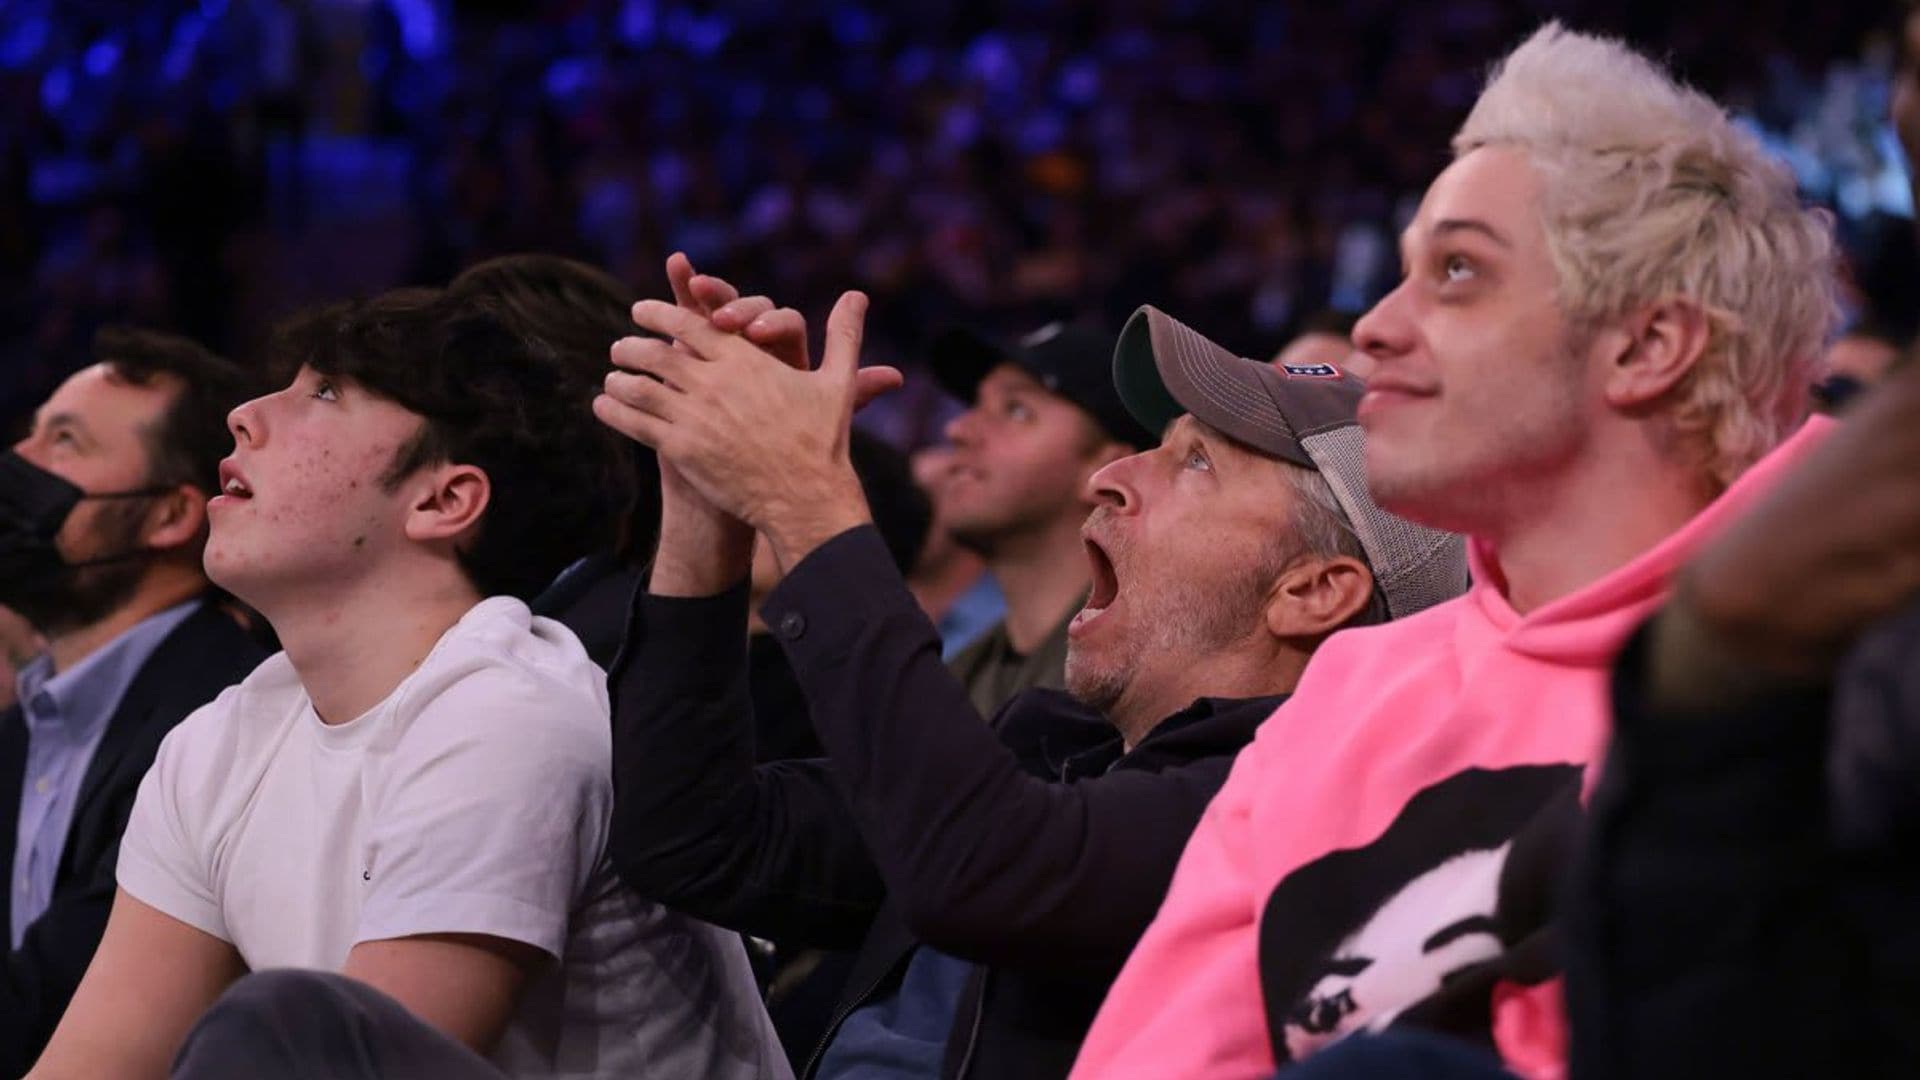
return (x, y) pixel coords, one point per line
(1441, 923)
(1352, 939)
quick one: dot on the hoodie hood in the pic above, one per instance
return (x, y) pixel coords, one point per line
(1590, 625)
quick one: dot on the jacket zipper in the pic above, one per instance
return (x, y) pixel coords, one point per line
(973, 1035)
(833, 1027)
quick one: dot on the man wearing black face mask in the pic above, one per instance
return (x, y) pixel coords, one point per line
(102, 522)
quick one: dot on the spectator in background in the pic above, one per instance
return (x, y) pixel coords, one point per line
(1864, 354)
(580, 311)
(1905, 104)
(19, 644)
(950, 581)
(1613, 305)
(1858, 359)
(102, 523)
(994, 874)
(1043, 419)
(415, 793)
(1326, 340)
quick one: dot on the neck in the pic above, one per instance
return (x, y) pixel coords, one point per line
(1577, 530)
(1260, 666)
(938, 582)
(157, 592)
(1042, 575)
(353, 646)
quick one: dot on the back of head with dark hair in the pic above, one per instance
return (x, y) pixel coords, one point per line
(491, 397)
(580, 311)
(191, 438)
(901, 511)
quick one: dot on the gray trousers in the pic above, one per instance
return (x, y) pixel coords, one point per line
(315, 1025)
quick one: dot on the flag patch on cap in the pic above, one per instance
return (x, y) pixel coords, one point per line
(1312, 371)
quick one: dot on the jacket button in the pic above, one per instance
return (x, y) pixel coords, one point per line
(792, 625)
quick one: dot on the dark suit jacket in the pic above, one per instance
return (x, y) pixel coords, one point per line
(202, 656)
(592, 601)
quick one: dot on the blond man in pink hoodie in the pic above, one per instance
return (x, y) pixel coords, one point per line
(1613, 307)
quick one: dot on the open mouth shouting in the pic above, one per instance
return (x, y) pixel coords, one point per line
(1106, 586)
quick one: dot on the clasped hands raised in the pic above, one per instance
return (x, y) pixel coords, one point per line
(748, 432)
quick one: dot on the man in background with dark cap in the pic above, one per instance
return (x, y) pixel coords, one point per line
(1043, 418)
(996, 876)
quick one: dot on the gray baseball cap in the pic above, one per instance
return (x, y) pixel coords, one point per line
(1303, 414)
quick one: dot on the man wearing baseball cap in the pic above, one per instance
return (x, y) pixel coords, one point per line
(994, 876)
(1042, 418)
(1611, 303)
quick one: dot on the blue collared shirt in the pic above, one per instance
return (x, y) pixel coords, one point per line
(973, 614)
(66, 716)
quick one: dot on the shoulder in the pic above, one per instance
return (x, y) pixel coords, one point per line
(504, 671)
(966, 663)
(1419, 640)
(242, 723)
(1354, 669)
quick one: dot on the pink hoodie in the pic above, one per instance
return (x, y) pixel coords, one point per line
(1381, 714)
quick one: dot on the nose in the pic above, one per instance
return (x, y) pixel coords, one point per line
(245, 423)
(1386, 330)
(964, 430)
(1112, 485)
(29, 450)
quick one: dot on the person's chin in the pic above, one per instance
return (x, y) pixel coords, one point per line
(224, 568)
(1423, 496)
(1095, 687)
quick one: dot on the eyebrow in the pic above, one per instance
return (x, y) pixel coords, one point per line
(1205, 434)
(1454, 225)
(70, 421)
(1014, 381)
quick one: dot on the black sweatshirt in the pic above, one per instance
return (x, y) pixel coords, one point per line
(1031, 846)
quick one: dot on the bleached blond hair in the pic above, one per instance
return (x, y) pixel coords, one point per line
(1651, 192)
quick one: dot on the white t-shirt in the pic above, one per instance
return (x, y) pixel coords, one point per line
(474, 799)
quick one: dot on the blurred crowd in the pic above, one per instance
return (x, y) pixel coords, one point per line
(211, 166)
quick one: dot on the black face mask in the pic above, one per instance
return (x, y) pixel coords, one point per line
(34, 580)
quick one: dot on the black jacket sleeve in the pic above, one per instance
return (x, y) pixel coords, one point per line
(770, 851)
(985, 860)
(1709, 934)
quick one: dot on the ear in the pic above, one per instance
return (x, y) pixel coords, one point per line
(449, 501)
(1655, 351)
(1316, 595)
(175, 519)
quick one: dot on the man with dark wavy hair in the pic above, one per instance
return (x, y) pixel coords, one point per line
(102, 521)
(415, 794)
(580, 311)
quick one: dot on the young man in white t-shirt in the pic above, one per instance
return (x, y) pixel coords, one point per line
(414, 794)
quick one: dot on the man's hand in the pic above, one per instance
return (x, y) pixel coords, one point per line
(1833, 549)
(701, 550)
(759, 439)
